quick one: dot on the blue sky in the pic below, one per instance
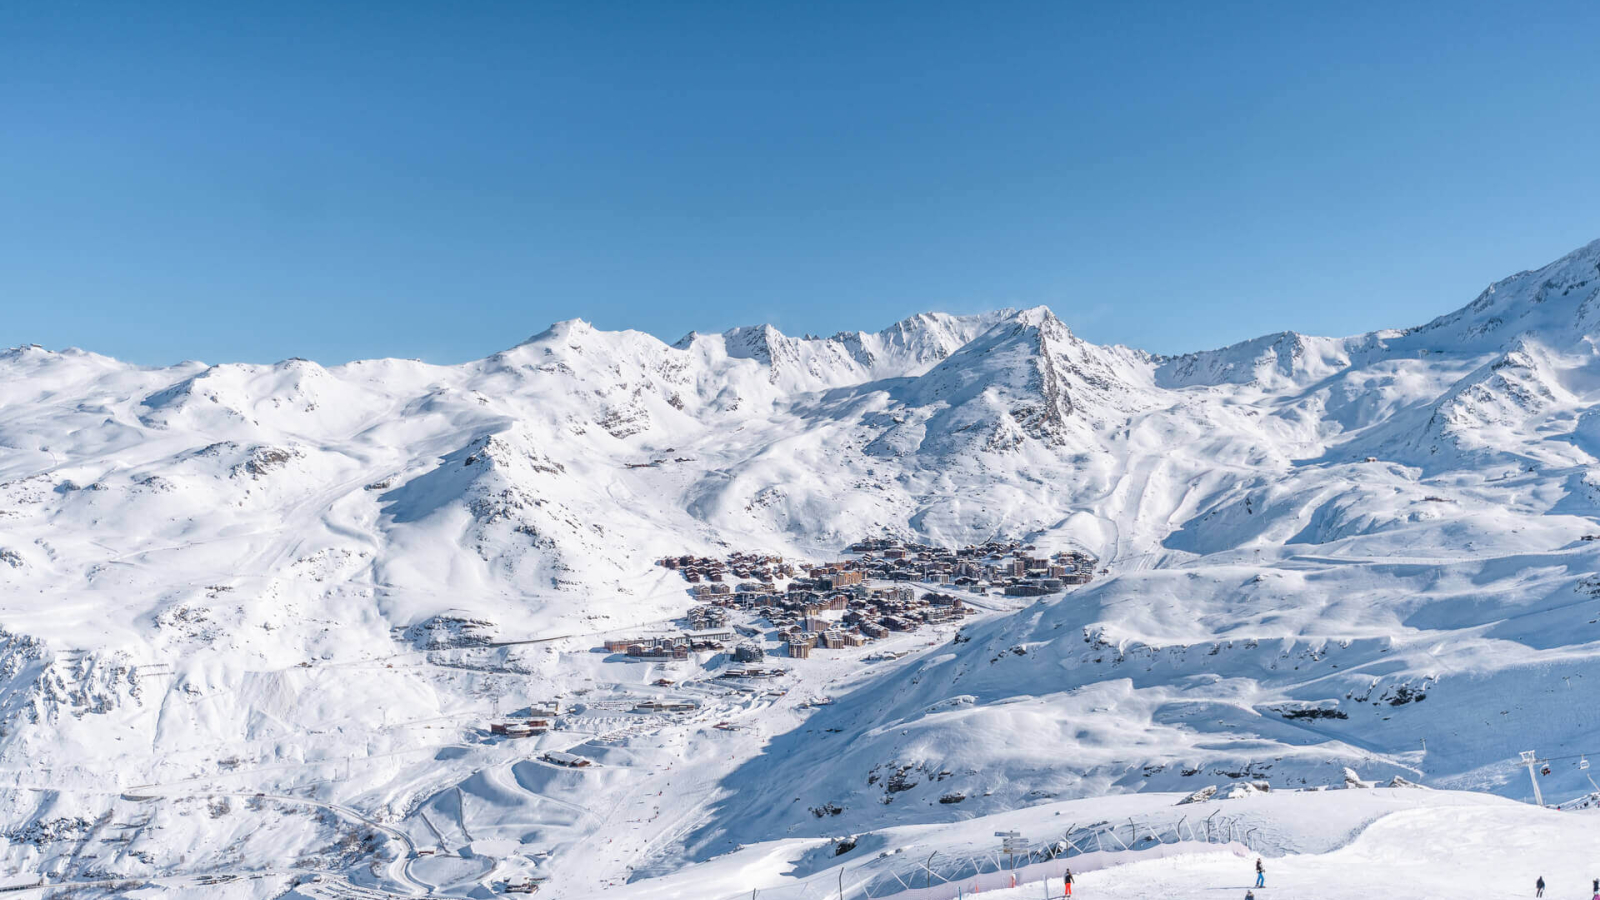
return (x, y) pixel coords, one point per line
(250, 182)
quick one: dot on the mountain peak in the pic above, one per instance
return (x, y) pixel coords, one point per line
(763, 342)
(1558, 301)
(563, 330)
(1035, 316)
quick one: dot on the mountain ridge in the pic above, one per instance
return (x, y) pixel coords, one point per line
(236, 568)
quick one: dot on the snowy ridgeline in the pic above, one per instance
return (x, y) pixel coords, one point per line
(310, 583)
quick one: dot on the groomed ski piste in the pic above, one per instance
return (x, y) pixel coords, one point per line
(258, 623)
(1401, 843)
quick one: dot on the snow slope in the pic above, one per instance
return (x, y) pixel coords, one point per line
(1335, 845)
(310, 583)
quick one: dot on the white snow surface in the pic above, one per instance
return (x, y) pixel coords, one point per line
(255, 620)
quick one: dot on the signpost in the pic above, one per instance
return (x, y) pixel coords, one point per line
(1012, 843)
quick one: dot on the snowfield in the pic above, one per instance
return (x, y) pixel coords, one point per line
(1334, 845)
(256, 621)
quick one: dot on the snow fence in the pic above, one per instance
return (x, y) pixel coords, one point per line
(1054, 870)
(951, 876)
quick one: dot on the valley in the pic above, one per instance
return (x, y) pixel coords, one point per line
(259, 623)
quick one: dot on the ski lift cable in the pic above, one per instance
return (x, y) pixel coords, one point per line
(1583, 757)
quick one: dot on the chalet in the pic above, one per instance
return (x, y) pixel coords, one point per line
(520, 729)
(570, 760)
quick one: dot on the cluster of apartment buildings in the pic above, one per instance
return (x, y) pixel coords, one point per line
(803, 606)
(670, 646)
(980, 567)
(742, 566)
(833, 609)
(707, 617)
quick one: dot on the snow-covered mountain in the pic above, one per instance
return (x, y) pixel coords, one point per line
(317, 585)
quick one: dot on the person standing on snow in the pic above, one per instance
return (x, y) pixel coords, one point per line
(1069, 884)
(1261, 874)
(1539, 887)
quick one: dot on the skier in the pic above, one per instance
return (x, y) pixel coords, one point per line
(1069, 884)
(1261, 875)
(1539, 887)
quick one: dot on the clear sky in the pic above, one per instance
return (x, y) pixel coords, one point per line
(230, 181)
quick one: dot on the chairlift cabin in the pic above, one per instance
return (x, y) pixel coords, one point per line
(1544, 769)
(1583, 762)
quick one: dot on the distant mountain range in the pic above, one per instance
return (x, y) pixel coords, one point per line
(1319, 553)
